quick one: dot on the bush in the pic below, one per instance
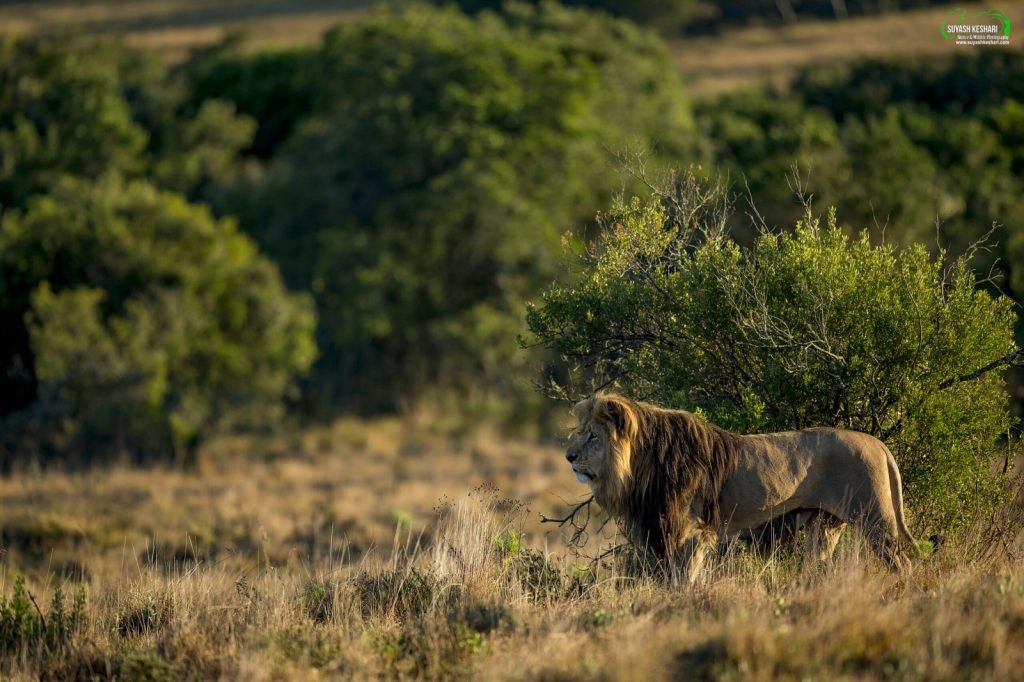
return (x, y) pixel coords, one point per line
(23, 628)
(139, 323)
(952, 128)
(809, 328)
(662, 15)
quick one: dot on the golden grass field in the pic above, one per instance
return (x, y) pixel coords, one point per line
(381, 550)
(712, 65)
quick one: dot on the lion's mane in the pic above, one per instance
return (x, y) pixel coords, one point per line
(666, 462)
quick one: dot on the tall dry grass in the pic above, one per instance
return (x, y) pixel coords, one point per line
(474, 591)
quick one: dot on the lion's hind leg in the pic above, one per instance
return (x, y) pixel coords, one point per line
(884, 539)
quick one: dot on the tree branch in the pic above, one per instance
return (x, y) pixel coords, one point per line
(1012, 359)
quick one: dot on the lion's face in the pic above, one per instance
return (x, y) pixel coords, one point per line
(599, 448)
(588, 452)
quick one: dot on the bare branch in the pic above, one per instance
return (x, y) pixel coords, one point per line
(571, 516)
(579, 527)
(755, 216)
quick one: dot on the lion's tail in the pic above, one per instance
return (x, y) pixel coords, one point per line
(896, 489)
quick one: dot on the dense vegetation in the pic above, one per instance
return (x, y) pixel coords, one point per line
(412, 177)
(134, 321)
(426, 194)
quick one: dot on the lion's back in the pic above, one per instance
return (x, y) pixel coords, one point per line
(811, 468)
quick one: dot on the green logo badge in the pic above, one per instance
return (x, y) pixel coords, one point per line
(989, 27)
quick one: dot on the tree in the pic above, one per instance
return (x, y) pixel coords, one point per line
(276, 88)
(803, 328)
(83, 106)
(135, 323)
(427, 192)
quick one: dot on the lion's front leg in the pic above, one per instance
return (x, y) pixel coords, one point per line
(686, 564)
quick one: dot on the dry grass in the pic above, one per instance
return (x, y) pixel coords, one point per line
(289, 500)
(357, 551)
(737, 58)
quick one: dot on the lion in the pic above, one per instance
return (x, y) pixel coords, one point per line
(678, 484)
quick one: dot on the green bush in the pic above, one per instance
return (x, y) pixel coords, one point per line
(139, 323)
(951, 128)
(662, 15)
(804, 328)
(25, 629)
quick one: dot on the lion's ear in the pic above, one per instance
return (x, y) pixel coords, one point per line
(618, 415)
(582, 409)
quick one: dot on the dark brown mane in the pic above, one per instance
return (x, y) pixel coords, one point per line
(677, 460)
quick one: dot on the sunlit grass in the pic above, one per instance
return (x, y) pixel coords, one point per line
(285, 559)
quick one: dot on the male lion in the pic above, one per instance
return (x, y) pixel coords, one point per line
(677, 484)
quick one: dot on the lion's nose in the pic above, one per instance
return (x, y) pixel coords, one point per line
(571, 456)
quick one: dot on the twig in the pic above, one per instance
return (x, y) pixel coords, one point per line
(610, 551)
(42, 619)
(579, 529)
(571, 516)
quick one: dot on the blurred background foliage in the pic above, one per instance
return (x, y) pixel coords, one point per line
(357, 225)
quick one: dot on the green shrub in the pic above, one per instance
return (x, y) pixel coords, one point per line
(140, 323)
(808, 328)
(276, 88)
(406, 594)
(24, 628)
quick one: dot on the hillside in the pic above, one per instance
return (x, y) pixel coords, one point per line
(713, 64)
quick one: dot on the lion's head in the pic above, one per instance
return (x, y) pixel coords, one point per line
(600, 447)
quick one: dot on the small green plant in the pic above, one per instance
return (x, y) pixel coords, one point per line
(145, 667)
(509, 543)
(600, 618)
(430, 649)
(318, 601)
(23, 626)
(403, 520)
(316, 646)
